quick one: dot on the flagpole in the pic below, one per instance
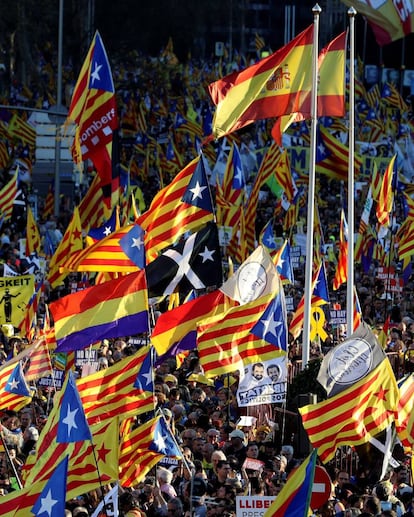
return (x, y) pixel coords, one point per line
(311, 191)
(351, 167)
(10, 462)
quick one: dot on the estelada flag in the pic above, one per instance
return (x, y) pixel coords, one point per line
(93, 109)
(354, 415)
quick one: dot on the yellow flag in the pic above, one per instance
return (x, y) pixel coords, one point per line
(15, 293)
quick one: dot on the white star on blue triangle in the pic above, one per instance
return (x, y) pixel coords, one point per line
(320, 289)
(144, 380)
(72, 425)
(284, 266)
(16, 383)
(132, 244)
(163, 442)
(272, 325)
(198, 183)
(238, 176)
(100, 77)
(268, 238)
(52, 499)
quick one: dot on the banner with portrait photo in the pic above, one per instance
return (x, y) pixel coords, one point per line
(15, 293)
(263, 383)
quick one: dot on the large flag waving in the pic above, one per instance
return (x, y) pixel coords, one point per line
(182, 206)
(364, 408)
(112, 309)
(93, 109)
(270, 88)
(52, 500)
(389, 20)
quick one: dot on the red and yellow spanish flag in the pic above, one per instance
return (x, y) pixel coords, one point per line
(272, 87)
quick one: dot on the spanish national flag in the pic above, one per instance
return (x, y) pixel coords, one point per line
(271, 87)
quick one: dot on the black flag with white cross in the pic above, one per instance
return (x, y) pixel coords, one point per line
(192, 263)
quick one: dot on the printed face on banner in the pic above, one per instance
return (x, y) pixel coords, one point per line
(263, 383)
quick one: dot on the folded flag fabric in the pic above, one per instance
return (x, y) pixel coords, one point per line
(109, 310)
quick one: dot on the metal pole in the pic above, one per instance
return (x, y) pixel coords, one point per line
(311, 193)
(58, 106)
(351, 167)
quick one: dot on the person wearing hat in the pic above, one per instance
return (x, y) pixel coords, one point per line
(237, 446)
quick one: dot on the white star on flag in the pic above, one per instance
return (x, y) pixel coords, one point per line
(197, 190)
(47, 503)
(107, 231)
(207, 254)
(271, 326)
(137, 243)
(14, 383)
(69, 419)
(159, 443)
(95, 73)
(148, 378)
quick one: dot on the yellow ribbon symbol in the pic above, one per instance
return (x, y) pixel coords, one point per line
(317, 322)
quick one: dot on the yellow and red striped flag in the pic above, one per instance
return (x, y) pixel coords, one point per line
(106, 255)
(49, 205)
(91, 208)
(182, 206)
(20, 130)
(341, 272)
(135, 457)
(386, 195)
(39, 361)
(266, 169)
(226, 343)
(111, 392)
(284, 176)
(7, 196)
(91, 462)
(71, 242)
(32, 234)
(93, 110)
(9, 399)
(355, 415)
(405, 408)
(266, 89)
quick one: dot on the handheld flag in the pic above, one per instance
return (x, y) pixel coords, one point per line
(294, 498)
(93, 109)
(112, 309)
(52, 500)
(72, 426)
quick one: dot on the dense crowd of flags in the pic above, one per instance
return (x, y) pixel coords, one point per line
(173, 250)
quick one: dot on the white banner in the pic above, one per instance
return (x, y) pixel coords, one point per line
(263, 383)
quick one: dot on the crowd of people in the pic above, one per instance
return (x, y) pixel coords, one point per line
(220, 459)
